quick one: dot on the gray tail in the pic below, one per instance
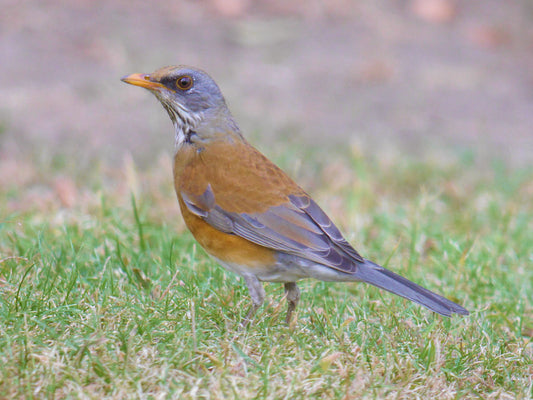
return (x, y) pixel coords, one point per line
(382, 278)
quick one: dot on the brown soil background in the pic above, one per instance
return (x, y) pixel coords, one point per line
(424, 77)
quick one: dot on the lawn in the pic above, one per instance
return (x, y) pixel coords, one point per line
(104, 294)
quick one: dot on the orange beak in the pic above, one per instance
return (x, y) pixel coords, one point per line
(142, 80)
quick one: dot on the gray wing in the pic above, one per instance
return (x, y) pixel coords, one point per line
(298, 227)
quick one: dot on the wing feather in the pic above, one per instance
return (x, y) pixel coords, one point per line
(298, 227)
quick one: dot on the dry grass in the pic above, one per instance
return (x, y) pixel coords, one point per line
(97, 303)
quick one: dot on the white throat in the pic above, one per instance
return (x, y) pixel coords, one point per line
(180, 134)
(184, 120)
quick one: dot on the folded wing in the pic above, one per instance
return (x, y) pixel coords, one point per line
(298, 227)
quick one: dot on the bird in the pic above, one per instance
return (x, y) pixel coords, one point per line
(248, 214)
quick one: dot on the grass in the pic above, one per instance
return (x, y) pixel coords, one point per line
(105, 295)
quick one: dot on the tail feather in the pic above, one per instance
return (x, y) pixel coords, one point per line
(382, 278)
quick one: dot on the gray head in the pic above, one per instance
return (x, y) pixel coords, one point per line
(192, 99)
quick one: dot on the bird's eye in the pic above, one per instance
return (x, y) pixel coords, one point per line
(184, 82)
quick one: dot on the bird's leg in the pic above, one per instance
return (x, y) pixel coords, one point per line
(257, 293)
(293, 296)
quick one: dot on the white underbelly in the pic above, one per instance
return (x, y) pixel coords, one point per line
(290, 272)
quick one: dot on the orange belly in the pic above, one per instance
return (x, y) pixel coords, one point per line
(226, 247)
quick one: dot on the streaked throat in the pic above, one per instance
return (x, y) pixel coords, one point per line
(183, 120)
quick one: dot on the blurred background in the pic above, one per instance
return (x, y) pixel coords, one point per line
(421, 78)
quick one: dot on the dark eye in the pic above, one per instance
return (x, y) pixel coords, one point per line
(184, 82)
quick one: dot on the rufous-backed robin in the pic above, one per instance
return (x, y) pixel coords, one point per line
(246, 212)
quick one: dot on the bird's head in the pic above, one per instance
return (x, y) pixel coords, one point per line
(193, 101)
